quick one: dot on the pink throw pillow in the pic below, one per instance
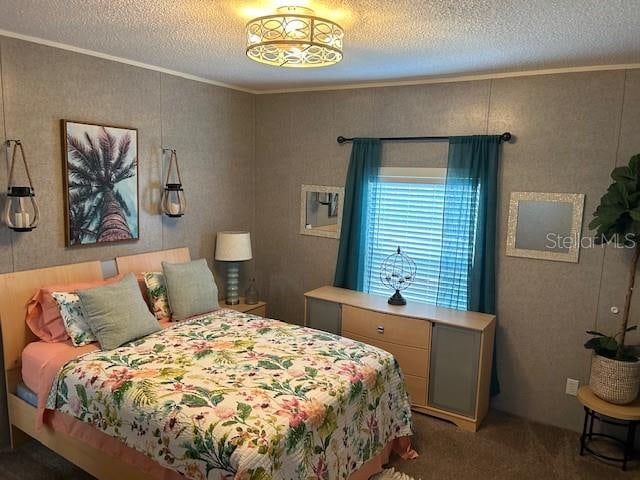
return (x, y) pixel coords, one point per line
(43, 315)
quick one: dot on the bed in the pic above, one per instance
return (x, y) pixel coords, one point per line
(223, 395)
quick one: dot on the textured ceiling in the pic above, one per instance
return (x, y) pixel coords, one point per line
(385, 39)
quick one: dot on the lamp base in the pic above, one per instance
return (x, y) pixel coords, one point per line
(233, 283)
(396, 299)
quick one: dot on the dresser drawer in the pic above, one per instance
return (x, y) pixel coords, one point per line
(389, 328)
(413, 361)
(417, 389)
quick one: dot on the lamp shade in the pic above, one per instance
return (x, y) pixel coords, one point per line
(233, 246)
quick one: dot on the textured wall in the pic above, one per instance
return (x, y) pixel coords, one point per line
(211, 128)
(571, 129)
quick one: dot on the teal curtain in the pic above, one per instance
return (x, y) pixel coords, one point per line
(361, 179)
(469, 226)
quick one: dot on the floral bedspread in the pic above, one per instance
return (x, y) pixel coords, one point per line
(232, 395)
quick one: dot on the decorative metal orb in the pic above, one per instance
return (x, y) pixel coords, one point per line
(397, 271)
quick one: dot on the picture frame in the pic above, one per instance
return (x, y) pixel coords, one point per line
(545, 226)
(101, 183)
(316, 217)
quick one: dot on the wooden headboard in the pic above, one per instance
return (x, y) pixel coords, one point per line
(17, 288)
(152, 261)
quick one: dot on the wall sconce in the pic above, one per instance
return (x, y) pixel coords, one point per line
(17, 214)
(173, 201)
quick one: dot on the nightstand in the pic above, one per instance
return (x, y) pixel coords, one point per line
(259, 308)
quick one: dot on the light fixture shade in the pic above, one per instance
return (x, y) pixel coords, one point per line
(294, 37)
(233, 246)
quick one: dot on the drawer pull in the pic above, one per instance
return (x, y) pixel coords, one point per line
(380, 328)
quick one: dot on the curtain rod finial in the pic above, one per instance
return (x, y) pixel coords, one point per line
(506, 136)
(341, 139)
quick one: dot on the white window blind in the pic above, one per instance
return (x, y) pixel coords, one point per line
(406, 211)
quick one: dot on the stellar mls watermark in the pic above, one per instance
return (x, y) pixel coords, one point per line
(557, 241)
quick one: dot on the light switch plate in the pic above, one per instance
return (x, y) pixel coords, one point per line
(572, 386)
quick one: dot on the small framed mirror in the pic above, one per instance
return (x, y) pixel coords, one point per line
(546, 226)
(321, 211)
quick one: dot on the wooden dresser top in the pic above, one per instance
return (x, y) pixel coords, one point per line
(423, 311)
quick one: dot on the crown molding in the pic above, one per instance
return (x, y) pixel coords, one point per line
(113, 58)
(451, 79)
(321, 88)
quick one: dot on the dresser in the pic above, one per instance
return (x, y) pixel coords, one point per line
(445, 354)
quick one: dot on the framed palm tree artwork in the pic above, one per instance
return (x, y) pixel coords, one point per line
(101, 183)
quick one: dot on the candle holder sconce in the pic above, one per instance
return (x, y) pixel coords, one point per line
(21, 212)
(173, 203)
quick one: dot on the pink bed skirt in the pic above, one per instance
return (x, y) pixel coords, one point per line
(87, 433)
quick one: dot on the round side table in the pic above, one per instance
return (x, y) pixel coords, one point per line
(627, 416)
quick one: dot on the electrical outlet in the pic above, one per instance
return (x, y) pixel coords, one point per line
(572, 386)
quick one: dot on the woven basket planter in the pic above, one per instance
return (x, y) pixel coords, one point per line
(614, 381)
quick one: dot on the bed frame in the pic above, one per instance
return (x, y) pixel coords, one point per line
(152, 261)
(16, 289)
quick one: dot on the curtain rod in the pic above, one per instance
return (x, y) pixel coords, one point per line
(505, 137)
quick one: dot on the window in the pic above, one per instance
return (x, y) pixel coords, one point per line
(407, 206)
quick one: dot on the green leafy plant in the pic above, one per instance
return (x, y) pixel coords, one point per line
(617, 220)
(609, 347)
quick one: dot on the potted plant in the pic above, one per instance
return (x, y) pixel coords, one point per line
(615, 369)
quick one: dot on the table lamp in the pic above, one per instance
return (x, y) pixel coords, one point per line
(233, 247)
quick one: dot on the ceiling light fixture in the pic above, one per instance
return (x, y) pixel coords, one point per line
(294, 37)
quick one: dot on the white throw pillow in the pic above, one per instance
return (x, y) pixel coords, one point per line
(73, 318)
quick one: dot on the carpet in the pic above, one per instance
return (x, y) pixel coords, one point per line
(505, 448)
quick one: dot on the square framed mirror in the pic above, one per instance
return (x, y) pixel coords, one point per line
(545, 226)
(321, 210)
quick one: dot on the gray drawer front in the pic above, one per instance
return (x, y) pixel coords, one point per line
(453, 373)
(323, 315)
